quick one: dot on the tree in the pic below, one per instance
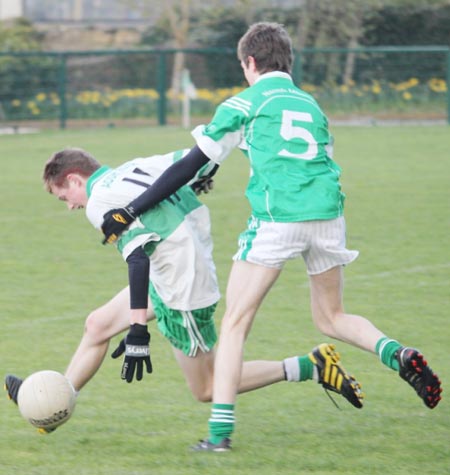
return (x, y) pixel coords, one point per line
(19, 36)
(182, 23)
(174, 20)
(23, 76)
(179, 21)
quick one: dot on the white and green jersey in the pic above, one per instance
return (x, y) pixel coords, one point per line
(175, 234)
(284, 134)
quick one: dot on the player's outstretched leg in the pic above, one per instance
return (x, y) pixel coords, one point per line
(333, 376)
(415, 371)
(12, 385)
(206, 446)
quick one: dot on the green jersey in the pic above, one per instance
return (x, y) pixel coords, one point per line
(284, 134)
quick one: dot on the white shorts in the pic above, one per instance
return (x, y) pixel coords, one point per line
(320, 243)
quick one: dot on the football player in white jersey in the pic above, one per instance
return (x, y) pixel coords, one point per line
(172, 278)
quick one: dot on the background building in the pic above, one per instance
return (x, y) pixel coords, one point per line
(11, 9)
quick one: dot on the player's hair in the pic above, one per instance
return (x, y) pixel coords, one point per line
(69, 160)
(269, 44)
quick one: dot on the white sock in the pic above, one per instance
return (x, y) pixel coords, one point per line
(292, 368)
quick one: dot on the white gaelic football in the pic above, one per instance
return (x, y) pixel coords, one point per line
(46, 399)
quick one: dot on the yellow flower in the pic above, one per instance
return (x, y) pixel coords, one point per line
(236, 90)
(407, 96)
(437, 85)
(223, 94)
(128, 92)
(376, 88)
(34, 109)
(309, 88)
(403, 86)
(172, 95)
(89, 97)
(16, 102)
(113, 97)
(151, 93)
(41, 97)
(206, 95)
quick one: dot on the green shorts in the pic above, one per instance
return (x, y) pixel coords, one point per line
(187, 330)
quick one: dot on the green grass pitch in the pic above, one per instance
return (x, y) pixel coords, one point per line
(54, 271)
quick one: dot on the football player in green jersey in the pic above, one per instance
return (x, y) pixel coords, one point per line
(296, 210)
(171, 277)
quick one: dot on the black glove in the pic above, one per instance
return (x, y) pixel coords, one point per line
(203, 185)
(115, 222)
(137, 351)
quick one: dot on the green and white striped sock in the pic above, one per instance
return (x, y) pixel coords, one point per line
(221, 423)
(386, 349)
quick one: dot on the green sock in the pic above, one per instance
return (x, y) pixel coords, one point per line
(221, 422)
(306, 368)
(386, 349)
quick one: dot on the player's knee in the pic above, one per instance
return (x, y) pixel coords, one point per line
(325, 323)
(203, 394)
(325, 330)
(236, 326)
(93, 326)
(202, 390)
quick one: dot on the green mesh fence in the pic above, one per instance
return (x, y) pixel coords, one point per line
(72, 87)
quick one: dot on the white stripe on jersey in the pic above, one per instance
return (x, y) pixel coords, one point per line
(238, 104)
(240, 101)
